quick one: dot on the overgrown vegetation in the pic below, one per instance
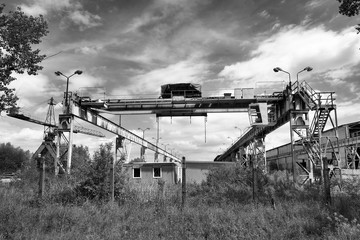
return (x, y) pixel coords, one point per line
(12, 158)
(223, 207)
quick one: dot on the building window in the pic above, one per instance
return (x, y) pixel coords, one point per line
(136, 173)
(157, 172)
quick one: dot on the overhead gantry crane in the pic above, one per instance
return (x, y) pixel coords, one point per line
(264, 108)
(267, 111)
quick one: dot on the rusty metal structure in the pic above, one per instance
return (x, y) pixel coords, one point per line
(268, 109)
(297, 101)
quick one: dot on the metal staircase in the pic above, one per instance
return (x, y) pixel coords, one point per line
(314, 143)
(313, 150)
(320, 102)
(306, 93)
(319, 121)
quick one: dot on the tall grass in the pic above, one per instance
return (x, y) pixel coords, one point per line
(214, 210)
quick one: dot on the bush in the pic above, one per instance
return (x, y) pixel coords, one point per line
(96, 177)
(231, 184)
(12, 159)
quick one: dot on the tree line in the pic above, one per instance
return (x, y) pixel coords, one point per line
(13, 159)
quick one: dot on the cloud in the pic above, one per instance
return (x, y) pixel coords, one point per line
(83, 19)
(28, 134)
(43, 7)
(294, 48)
(33, 10)
(89, 50)
(338, 76)
(72, 12)
(161, 17)
(25, 137)
(31, 89)
(150, 82)
(346, 113)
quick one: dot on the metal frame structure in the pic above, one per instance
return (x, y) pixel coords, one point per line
(298, 100)
(76, 110)
(267, 111)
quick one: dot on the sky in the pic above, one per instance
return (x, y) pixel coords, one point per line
(131, 48)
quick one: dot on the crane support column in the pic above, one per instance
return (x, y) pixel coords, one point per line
(66, 124)
(57, 158)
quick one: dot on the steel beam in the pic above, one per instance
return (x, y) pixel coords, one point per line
(158, 105)
(94, 118)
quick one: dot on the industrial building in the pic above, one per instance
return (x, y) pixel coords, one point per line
(347, 147)
(149, 173)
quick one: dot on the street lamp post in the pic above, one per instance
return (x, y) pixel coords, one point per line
(165, 145)
(157, 140)
(305, 69)
(157, 150)
(143, 131)
(70, 123)
(277, 69)
(297, 75)
(58, 73)
(232, 140)
(241, 131)
(142, 149)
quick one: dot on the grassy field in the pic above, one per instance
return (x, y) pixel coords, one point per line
(217, 209)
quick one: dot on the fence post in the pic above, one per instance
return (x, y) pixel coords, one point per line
(41, 168)
(183, 183)
(326, 184)
(112, 178)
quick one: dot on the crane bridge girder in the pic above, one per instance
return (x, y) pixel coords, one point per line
(96, 119)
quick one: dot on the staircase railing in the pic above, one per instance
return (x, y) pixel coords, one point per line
(319, 121)
(322, 103)
(319, 99)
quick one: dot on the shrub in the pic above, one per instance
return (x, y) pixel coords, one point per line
(230, 184)
(96, 177)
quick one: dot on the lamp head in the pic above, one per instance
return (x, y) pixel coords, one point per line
(277, 69)
(57, 73)
(78, 72)
(308, 69)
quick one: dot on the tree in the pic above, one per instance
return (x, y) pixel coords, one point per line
(350, 8)
(18, 32)
(80, 157)
(11, 158)
(95, 184)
